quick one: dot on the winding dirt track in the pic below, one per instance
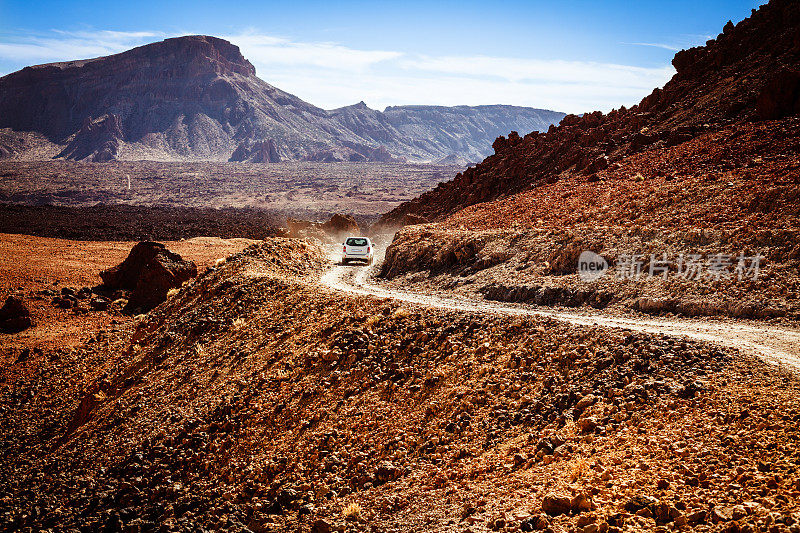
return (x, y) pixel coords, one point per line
(776, 345)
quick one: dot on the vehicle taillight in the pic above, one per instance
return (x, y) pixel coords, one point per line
(344, 248)
(368, 249)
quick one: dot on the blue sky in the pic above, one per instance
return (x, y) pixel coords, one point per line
(572, 56)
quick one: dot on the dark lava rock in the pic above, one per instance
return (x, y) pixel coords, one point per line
(98, 303)
(150, 271)
(780, 97)
(14, 315)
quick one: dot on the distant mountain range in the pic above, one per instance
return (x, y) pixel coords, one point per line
(198, 98)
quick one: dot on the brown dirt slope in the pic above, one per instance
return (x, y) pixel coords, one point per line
(255, 398)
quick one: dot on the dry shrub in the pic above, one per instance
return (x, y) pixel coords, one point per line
(372, 320)
(579, 468)
(352, 511)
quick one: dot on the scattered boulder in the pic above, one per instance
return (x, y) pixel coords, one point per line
(721, 514)
(639, 502)
(150, 271)
(64, 302)
(98, 303)
(14, 315)
(386, 472)
(587, 425)
(321, 526)
(581, 503)
(601, 163)
(535, 523)
(556, 504)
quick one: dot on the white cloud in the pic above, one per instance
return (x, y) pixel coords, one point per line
(680, 43)
(269, 50)
(670, 47)
(64, 46)
(543, 71)
(332, 75)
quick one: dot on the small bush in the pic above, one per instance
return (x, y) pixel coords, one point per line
(352, 511)
(579, 468)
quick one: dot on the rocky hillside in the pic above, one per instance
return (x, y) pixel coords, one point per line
(197, 97)
(255, 399)
(750, 72)
(706, 167)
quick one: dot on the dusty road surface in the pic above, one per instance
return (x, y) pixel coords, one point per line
(776, 345)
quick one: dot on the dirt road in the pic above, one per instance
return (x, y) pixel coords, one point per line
(776, 345)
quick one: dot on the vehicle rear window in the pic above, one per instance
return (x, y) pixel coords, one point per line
(356, 242)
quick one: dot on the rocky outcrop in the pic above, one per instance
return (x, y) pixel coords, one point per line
(548, 296)
(258, 152)
(697, 307)
(780, 97)
(97, 140)
(149, 271)
(748, 72)
(14, 315)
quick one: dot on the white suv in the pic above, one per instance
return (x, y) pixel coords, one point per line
(358, 249)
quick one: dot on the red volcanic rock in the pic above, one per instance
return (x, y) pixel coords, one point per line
(150, 271)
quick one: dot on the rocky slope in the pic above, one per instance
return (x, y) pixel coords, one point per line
(751, 71)
(197, 97)
(730, 193)
(255, 399)
(705, 167)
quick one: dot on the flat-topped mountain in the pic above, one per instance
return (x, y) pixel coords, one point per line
(198, 98)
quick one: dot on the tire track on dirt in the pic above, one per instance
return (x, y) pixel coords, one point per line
(779, 346)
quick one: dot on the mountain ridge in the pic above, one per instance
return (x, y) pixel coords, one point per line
(198, 98)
